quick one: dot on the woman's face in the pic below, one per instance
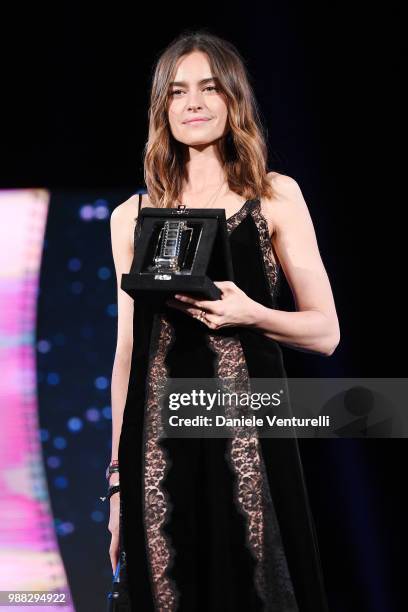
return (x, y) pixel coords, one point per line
(193, 94)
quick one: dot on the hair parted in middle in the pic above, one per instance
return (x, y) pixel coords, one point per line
(243, 150)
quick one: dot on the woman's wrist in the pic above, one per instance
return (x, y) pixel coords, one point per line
(257, 315)
(113, 480)
(112, 476)
(115, 498)
(112, 490)
(112, 468)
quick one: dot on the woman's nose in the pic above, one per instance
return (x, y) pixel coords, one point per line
(194, 99)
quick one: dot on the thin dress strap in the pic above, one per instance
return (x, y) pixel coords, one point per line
(140, 203)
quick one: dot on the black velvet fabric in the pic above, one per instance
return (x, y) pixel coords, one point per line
(212, 565)
(131, 466)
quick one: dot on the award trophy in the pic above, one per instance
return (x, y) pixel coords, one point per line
(179, 250)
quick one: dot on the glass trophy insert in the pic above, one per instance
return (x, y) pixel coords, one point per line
(175, 247)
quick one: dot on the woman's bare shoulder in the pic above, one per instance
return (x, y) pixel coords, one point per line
(130, 207)
(285, 189)
(124, 210)
(283, 186)
(268, 205)
(124, 216)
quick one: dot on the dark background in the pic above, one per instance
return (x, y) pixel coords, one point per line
(327, 79)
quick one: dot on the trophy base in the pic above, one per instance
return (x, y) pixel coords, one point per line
(157, 287)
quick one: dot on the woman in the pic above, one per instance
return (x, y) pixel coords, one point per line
(212, 524)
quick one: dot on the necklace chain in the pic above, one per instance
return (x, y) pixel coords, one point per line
(213, 196)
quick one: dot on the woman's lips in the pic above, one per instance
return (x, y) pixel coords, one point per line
(196, 121)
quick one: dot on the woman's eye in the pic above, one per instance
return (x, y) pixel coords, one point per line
(176, 91)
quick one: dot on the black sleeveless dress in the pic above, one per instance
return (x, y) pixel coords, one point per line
(213, 525)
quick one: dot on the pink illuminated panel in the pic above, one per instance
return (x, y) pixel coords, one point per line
(29, 552)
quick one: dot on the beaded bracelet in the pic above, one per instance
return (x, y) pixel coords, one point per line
(112, 468)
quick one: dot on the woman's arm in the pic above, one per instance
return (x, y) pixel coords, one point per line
(314, 325)
(122, 224)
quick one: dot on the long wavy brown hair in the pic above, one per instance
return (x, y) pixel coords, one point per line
(243, 150)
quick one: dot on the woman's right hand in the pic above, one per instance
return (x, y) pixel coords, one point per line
(113, 527)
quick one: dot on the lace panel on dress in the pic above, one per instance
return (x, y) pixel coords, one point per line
(242, 452)
(271, 267)
(157, 505)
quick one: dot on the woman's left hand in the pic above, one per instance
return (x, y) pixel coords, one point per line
(233, 308)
